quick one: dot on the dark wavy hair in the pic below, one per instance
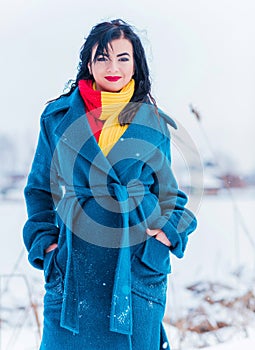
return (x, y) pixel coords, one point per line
(102, 34)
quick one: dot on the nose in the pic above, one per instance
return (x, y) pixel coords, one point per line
(112, 66)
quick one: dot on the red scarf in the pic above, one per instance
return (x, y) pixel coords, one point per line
(93, 106)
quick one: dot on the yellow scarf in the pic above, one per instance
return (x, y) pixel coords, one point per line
(112, 104)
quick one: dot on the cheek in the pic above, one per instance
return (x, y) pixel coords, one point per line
(131, 72)
(97, 69)
(132, 69)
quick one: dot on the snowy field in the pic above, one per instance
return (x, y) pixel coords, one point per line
(211, 301)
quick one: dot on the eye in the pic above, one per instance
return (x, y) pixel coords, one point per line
(124, 59)
(102, 58)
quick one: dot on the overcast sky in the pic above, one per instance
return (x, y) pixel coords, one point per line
(199, 51)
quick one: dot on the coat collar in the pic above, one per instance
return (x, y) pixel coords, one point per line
(146, 127)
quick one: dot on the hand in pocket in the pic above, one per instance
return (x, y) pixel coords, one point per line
(51, 247)
(159, 235)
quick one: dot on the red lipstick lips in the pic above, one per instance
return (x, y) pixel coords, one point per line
(112, 78)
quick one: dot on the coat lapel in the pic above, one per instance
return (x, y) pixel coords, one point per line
(144, 134)
(74, 130)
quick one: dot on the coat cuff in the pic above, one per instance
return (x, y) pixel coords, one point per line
(178, 240)
(37, 251)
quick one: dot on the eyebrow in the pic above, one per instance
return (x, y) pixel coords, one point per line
(123, 54)
(119, 55)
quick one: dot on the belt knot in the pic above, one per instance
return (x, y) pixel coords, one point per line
(120, 192)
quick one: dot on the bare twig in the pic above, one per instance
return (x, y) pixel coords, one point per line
(31, 306)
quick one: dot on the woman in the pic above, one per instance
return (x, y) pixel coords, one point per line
(104, 209)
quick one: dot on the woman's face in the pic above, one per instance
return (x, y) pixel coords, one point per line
(113, 70)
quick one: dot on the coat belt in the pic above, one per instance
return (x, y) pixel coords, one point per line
(121, 304)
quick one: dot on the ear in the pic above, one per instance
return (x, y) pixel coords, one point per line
(89, 68)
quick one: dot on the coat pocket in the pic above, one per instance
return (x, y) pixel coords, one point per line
(54, 281)
(156, 255)
(150, 266)
(47, 264)
(51, 269)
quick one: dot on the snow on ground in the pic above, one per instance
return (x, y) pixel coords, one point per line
(211, 290)
(247, 344)
(211, 301)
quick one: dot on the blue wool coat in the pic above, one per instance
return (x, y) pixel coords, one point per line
(97, 209)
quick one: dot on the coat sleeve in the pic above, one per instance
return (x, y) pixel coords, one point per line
(40, 229)
(176, 221)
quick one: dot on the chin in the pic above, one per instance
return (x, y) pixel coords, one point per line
(114, 87)
(115, 90)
